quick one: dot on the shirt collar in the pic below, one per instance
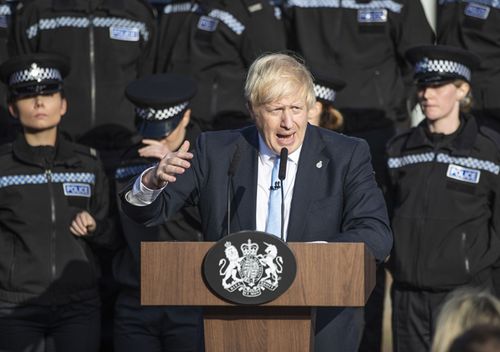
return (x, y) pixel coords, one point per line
(265, 153)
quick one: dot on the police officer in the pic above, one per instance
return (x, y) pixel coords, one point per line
(110, 43)
(8, 127)
(163, 123)
(53, 206)
(475, 26)
(363, 43)
(215, 41)
(446, 193)
(326, 88)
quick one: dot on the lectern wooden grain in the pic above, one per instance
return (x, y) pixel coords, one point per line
(328, 274)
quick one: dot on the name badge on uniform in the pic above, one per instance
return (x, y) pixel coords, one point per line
(208, 24)
(124, 33)
(372, 16)
(463, 174)
(477, 11)
(3, 21)
(76, 190)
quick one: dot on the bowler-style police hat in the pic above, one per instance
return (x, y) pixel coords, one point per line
(34, 74)
(160, 101)
(326, 85)
(438, 64)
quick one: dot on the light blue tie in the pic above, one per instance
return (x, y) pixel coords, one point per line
(273, 224)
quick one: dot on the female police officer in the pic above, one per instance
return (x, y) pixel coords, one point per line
(446, 193)
(52, 204)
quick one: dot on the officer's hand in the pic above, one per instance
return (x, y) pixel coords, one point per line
(82, 224)
(172, 164)
(153, 149)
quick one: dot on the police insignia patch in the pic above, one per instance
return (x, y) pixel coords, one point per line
(76, 190)
(463, 174)
(477, 11)
(124, 33)
(207, 24)
(372, 16)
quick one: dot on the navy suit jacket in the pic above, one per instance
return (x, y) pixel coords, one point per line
(335, 198)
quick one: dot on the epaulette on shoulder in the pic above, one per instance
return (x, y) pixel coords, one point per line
(491, 134)
(88, 151)
(5, 149)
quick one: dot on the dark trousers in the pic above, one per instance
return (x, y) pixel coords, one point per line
(156, 329)
(414, 315)
(338, 329)
(71, 327)
(374, 312)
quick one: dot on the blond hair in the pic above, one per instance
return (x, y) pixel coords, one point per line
(274, 76)
(463, 309)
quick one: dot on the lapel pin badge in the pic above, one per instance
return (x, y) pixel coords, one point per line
(319, 164)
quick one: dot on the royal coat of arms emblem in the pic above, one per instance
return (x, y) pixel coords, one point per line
(252, 272)
(249, 267)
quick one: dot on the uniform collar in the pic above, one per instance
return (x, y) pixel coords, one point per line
(463, 142)
(63, 152)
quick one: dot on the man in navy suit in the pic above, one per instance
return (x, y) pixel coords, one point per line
(330, 192)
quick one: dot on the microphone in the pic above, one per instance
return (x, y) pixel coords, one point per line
(281, 176)
(230, 173)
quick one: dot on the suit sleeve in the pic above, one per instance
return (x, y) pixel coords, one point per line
(364, 217)
(183, 192)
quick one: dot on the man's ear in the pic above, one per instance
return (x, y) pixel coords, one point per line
(13, 110)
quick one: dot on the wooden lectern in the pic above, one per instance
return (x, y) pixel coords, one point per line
(328, 274)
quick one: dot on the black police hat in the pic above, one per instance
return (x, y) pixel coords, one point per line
(160, 101)
(436, 64)
(326, 85)
(34, 74)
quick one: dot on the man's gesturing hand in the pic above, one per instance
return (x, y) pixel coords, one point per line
(172, 164)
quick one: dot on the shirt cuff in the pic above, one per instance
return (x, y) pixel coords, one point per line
(140, 195)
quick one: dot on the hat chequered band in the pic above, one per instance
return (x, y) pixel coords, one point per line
(35, 73)
(129, 171)
(38, 179)
(442, 66)
(323, 92)
(82, 22)
(348, 4)
(153, 114)
(486, 165)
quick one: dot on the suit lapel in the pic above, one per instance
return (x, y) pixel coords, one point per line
(312, 166)
(244, 185)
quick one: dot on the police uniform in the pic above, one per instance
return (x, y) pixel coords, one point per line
(475, 26)
(109, 43)
(8, 126)
(363, 43)
(48, 276)
(445, 206)
(215, 41)
(161, 101)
